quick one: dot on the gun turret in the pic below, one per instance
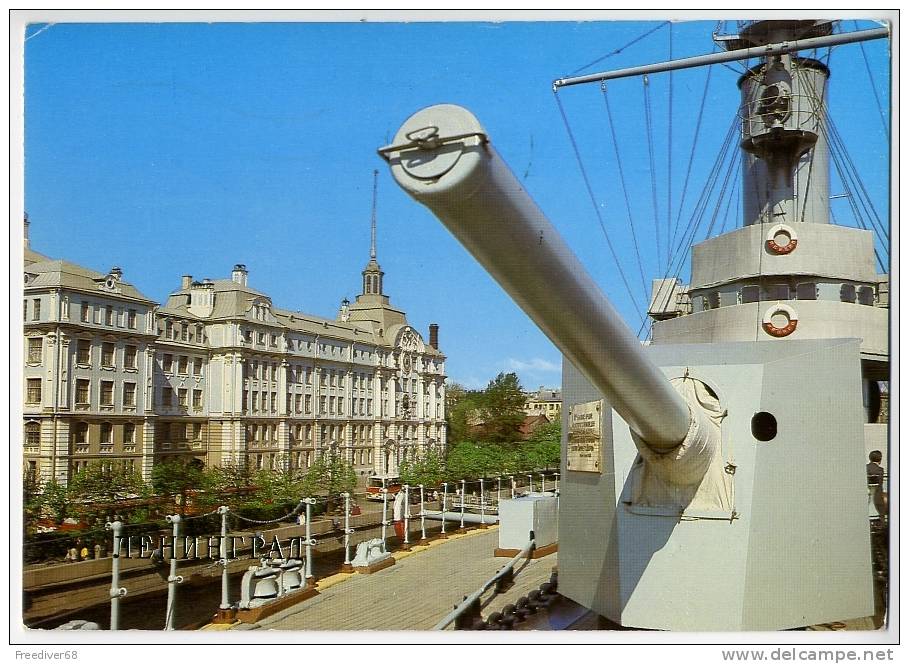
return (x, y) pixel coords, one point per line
(442, 157)
(697, 479)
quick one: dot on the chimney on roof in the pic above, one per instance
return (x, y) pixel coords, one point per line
(239, 274)
(186, 281)
(434, 335)
(26, 229)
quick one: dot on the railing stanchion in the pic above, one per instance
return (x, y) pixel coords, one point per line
(530, 479)
(482, 505)
(499, 490)
(512, 486)
(172, 579)
(463, 499)
(347, 532)
(406, 517)
(543, 481)
(310, 577)
(444, 504)
(422, 514)
(384, 517)
(225, 578)
(116, 592)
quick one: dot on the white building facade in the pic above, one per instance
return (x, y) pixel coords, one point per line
(219, 374)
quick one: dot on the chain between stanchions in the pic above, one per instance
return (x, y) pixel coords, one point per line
(262, 523)
(197, 516)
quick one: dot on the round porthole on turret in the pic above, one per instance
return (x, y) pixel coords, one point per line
(781, 240)
(763, 426)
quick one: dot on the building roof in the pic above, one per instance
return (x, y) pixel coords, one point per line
(49, 273)
(545, 394)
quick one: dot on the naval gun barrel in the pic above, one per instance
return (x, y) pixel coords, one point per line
(442, 158)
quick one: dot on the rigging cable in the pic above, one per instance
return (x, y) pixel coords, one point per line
(618, 159)
(596, 208)
(694, 143)
(669, 151)
(844, 165)
(880, 107)
(648, 116)
(620, 49)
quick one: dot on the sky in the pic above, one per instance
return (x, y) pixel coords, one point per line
(184, 148)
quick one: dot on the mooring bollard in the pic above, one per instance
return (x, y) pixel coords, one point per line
(422, 515)
(347, 532)
(172, 579)
(310, 542)
(444, 504)
(116, 592)
(463, 497)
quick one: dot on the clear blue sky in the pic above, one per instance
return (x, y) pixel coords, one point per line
(172, 149)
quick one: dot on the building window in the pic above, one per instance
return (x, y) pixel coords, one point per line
(129, 394)
(167, 396)
(298, 403)
(80, 433)
(182, 364)
(200, 334)
(197, 399)
(86, 312)
(107, 393)
(197, 366)
(129, 436)
(181, 397)
(168, 329)
(32, 434)
(107, 436)
(108, 315)
(308, 404)
(35, 346)
(36, 309)
(167, 363)
(82, 391)
(262, 338)
(107, 355)
(33, 393)
(177, 431)
(130, 353)
(847, 293)
(184, 332)
(274, 402)
(84, 351)
(131, 319)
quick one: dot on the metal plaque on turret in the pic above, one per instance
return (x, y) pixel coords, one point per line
(584, 437)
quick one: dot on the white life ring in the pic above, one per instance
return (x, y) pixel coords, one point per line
(775, 247)
(785, 330)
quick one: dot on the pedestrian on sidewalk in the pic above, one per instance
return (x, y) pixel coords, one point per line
(398, 509)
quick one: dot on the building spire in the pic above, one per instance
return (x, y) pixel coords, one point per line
(372, 275)
(375, 185)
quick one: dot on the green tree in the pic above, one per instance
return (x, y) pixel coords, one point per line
(544, 448)
(176, 477)
(55, 499)
(106, 482)
(427, 470)
(328, 476)
(472, 460)
(461, 411)
(226, 485)
(502, 409)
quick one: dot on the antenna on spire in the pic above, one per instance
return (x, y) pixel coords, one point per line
(375, 185)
